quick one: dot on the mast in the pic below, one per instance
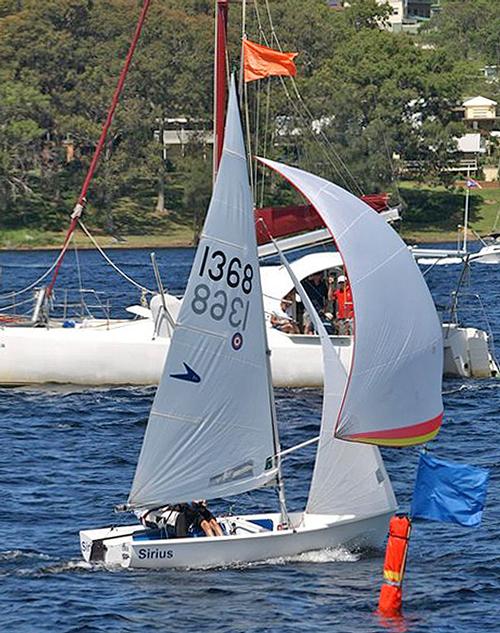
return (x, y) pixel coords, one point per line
(220, 80)
(284, 519)
(466, 210)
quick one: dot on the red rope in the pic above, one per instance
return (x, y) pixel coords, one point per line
(80, 205)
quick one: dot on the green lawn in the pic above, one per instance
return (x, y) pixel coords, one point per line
(434, 213)
(177, 235)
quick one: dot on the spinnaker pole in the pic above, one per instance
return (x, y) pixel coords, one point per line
(82, 199)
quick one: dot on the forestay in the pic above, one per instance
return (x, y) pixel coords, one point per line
(348, 478)
(393, 391)
(210, 432)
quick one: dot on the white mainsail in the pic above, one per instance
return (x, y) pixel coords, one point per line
(210, 432)
(393, 391)
(348, 478)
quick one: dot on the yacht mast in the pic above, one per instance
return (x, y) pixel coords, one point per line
(220, 90)
(220, 80)
(466, 210)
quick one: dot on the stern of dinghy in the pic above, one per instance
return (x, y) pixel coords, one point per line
(106, 545)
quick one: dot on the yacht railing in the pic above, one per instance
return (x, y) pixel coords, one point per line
(69, 304)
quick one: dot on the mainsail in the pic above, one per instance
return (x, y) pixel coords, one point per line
(348, 478)
(210, 432)
(393, 391)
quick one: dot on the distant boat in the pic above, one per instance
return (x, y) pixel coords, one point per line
(212, 430)
(489, 253)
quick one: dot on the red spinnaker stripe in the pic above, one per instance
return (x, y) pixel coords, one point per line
(416, 430)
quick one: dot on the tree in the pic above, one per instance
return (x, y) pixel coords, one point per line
(467, 29)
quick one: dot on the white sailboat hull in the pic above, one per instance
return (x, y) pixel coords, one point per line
(96, 353)
(126, 352)
(123, 547)
(489, 254)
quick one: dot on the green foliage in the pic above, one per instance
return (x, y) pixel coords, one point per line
(468, 29)
(198, 186)
(375, 95)
(437, 208)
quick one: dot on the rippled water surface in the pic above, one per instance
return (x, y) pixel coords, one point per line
(68, 455)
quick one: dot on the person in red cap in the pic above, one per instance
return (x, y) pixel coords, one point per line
(344, 311)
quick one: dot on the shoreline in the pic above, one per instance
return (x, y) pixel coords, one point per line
(137, 242)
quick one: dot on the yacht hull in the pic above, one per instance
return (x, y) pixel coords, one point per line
(127, 352)
(489, 254)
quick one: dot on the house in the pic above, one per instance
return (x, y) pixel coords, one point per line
(480, 114)
(480, 108)
(407, 15)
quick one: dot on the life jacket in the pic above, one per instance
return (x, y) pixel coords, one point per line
(174, 520)
(343, 299)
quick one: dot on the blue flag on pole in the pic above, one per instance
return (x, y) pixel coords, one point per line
(450, 492)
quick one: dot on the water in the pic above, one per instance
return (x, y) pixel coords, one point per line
(68, 455)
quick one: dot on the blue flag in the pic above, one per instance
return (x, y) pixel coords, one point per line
(451, 492)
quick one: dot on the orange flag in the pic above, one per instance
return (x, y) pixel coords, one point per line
(260, 61)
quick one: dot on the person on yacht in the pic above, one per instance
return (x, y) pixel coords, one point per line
(282, 317)
(344, 311)
(316, 290)
(182, 519)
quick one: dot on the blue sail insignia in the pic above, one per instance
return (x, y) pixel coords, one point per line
(190, 375)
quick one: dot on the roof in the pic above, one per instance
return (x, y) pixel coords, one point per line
(470, 143)
(479, 101)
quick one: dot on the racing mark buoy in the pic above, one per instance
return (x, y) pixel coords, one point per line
(391, 593)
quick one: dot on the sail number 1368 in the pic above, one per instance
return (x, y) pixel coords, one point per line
(234, 273)
(217, 266)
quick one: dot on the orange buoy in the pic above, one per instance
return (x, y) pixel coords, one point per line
(391, 593)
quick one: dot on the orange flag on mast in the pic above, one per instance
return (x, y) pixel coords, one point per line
(261, 61)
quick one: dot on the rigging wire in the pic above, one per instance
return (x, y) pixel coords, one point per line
(111, 263)
(496, 222)
(255, 166)
(264, 172)
(82, 199)
(244, 96)
(391, 165)
(78, 269)
(35, 283)
(249, 138)
(300, 115)
(353, 185)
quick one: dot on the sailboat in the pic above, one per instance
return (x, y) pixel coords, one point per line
(212, 431)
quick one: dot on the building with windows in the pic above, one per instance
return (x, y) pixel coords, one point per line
(480, 109)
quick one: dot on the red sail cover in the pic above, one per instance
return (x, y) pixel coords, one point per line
(283, 221)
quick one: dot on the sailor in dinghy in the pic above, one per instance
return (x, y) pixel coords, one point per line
(212, 430)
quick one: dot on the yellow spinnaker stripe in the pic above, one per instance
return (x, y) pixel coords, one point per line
(401, 441)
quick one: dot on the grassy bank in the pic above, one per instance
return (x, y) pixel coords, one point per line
(432, 215)
(30, 239)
